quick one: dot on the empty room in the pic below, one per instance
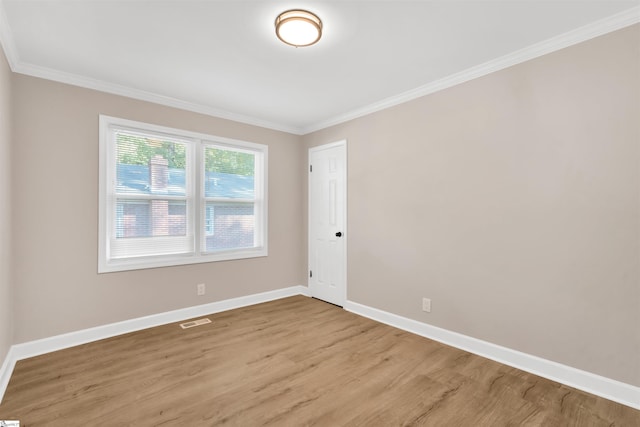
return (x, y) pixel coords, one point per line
(331, 213)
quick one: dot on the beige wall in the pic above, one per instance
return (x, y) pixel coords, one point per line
(513, 202)
(55, 197)
(6, 306)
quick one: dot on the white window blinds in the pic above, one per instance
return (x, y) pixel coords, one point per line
(152, 196)
(171, 197)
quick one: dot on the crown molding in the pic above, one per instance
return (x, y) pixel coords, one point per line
(581, 34)
(129, 92)
(6, 39)
(587, 32)
(17, 66)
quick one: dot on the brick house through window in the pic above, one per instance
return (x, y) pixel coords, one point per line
(227, 224)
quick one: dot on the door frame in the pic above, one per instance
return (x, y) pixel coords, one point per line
(342, 142)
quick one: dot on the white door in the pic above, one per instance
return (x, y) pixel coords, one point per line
(327, 222)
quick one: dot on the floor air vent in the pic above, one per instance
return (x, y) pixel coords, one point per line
(193, 323)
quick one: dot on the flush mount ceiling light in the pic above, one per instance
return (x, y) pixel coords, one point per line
(298, 28)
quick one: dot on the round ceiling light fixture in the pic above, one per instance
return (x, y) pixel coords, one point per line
(298, 28)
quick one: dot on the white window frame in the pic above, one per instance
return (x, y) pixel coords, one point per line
(196, 201)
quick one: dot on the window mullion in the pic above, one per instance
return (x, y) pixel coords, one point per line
(133, 196)
(196, 177)
(228, 200)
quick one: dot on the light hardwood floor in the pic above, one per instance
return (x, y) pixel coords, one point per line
(291, 362)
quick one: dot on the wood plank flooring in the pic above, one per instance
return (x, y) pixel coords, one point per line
(291, 362)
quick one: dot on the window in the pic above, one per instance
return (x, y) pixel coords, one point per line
(171, 197)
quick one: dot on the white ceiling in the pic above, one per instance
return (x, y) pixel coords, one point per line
(223, 58)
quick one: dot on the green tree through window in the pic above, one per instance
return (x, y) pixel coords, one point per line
(227, 161)
(138, 150)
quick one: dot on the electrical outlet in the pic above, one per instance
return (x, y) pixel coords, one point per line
(201, 289)
(426, 305)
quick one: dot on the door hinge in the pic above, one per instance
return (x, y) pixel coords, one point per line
(310, 168)
(310, 273)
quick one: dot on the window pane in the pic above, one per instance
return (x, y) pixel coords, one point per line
(229, 226)
(229, 174)
(150, 218)
(150, 166)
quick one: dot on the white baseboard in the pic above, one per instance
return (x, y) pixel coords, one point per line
(71, 339)
(616, 391)
(6, 370)
(607, 388)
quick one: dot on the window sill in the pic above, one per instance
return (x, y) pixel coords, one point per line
(175, 260)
